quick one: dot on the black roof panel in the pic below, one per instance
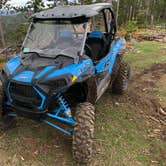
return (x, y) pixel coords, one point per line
(72, 11)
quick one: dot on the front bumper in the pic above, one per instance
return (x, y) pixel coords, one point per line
(26, 100)
(30, 102)
(26, 112)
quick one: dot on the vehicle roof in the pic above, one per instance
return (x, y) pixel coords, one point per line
(70, 12)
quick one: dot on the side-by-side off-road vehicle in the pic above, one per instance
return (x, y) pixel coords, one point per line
(69, 57)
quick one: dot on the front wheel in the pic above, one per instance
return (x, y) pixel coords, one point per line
(83, 132)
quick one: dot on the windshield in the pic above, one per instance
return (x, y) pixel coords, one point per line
(53, 38)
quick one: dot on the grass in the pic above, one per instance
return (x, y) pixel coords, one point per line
(145, 54)
(121, 136)
(161, 91)
(121, 133)
(118, 133)
(2, 59)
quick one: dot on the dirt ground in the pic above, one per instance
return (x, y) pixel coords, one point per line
(143, 88)
(142, 108)
(142, 92)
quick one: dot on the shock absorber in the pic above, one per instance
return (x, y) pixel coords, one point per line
(64, 105)
(62, 114)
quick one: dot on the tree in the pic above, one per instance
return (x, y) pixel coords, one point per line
(143, 11)
(117, 11)
(2, 4)
(36, 5)
(54, 3)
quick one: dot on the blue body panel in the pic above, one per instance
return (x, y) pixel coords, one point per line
(24, 76)
(74, 69)
(44, 71)
(107, 63)
(13, 64)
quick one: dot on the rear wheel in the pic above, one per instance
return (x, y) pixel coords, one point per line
(6, 122)
(83, 132)
(120, 84)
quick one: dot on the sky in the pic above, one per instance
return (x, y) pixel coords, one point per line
(23, 2)
(19, 2)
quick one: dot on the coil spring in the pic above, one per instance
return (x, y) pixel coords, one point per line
(62, 101)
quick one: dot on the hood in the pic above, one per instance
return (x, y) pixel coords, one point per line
(32, 69)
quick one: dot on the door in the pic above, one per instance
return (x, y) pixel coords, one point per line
(105, 67)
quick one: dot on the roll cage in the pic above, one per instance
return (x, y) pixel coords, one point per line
(82, 13)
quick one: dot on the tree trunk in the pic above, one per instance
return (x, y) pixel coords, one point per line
(55, 1)
(117, 12)
(2, 33)
(130, 13)
(152, 22)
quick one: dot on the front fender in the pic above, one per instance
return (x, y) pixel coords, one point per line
(85, 67)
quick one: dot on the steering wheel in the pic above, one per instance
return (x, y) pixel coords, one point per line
(88, 50)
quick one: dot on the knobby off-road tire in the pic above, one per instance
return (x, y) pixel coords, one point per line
(83, 132)
(6, 122)
(120, 84)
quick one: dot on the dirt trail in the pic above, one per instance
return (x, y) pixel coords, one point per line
(142, 91)
(143, 88)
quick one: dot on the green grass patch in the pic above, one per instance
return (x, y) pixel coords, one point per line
(2, 60)
(162, 91)
(120, 137)
(144, 54)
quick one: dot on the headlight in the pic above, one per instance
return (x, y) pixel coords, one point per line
(58, 85)
(55, 84)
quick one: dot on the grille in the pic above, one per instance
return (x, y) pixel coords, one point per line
(24, 95)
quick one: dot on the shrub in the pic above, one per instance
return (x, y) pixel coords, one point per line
(130, 27)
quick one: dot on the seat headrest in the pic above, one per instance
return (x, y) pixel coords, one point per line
(96, 34)
(66, 34)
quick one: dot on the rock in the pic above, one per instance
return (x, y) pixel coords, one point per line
(116, 103)
(162, 112)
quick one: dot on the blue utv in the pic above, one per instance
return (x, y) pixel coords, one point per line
(69, 57)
